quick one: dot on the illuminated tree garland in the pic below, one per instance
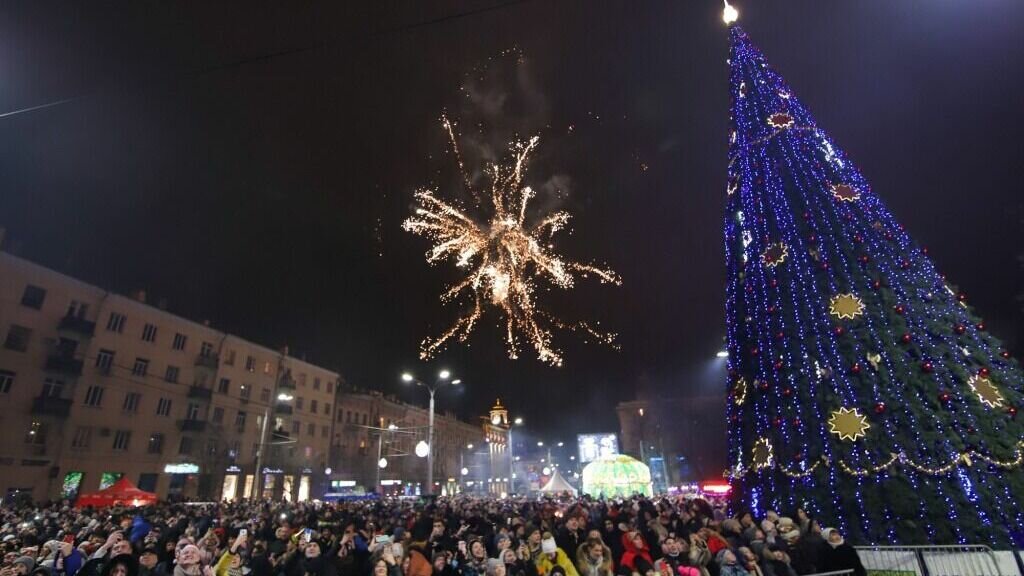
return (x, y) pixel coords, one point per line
(830, 306)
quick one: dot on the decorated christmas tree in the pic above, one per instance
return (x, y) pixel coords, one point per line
(862, 387)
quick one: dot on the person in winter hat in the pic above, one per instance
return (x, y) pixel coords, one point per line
(775, 562)
(553, 559)
(840, 555)
(728, 565)
(23, 565)
(636, 555)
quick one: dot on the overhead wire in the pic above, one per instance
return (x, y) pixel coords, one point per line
(267, 56)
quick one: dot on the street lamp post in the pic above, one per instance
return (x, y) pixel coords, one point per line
(442, 379)
(258, 484)
(511, 459)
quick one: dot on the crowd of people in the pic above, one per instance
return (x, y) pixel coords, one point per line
(459, 536)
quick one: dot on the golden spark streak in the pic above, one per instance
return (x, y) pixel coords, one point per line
(505, 257)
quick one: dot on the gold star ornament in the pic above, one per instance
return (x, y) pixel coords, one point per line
(780, 120)
(986, 391)
(739, 391)
(774, 254)
(846, 306)
(761, 454)
(848, 424)
(845, 193)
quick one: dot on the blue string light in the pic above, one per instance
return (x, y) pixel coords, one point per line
(790, 185)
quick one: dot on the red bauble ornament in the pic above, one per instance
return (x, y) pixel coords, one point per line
(812, 238)
(795, 422)
(944, 397)
(857, 239)
(961, 297)
(807, 215)
(754, 351)
(764, 386)
(899, 309)
(880, 408)
(927, 367)
(906, 338)
(924, 250)
(839, 330)
(777, 422)
(824, 265)
(798, 456)
(787, 392)
(774, 283)
(778, 365)
(779, 335)
(1012, 411)
(959, 329)
(1005, 354)
(905, 264)
(855, 368)
(983, 372)
(876, 285)
(980, 326)
(771, 309)
(735, 418)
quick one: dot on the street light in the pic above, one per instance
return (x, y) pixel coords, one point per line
(511, 460)
(722, 354)
(443, 377)
(540, 443)
(382, 463)
(560, 444)
(422, 449)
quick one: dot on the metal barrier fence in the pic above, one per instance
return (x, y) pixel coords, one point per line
(835, 573)
(973, 560)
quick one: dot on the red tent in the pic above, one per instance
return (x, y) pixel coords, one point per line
(122, 492)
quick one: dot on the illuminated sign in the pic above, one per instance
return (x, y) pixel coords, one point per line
(307, 470)
(343, 483)
(184, 468)
(232, 469)
(720, 488)
(594, 446)
(273, 471)
(390, 482)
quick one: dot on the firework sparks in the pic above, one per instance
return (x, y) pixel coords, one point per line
(505, 257)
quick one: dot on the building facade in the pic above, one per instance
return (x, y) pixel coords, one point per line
(371, 426)
(95, 386)
(681, 439)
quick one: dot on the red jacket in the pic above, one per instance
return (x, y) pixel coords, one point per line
(631, 553)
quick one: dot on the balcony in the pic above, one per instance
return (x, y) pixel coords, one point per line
(200, 392)
(188, 425)
(77, 325)
(286, 383)
(64, 364)
(210, 361)
(51, 406)
(283, 409)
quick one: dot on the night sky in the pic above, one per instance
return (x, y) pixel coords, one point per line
(251, 163)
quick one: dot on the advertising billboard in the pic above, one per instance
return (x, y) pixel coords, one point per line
(593, 446)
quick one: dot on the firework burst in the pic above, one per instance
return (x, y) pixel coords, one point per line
(506, 256)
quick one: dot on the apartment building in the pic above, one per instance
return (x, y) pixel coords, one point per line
(95, 386)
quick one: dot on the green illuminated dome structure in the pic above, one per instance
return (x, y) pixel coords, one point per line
(616, 476)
